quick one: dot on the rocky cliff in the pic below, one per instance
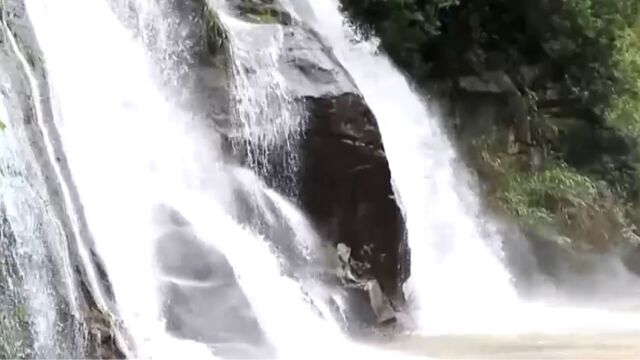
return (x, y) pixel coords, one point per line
(81, 306)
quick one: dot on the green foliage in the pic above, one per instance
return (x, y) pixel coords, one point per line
(547, 197)
(403, 26)
(266, 17)
(624, 112)
(14, 330)
(585, 61)
(593, 45)
(543, 196)
(602, 58)
(2, 126)
(216, 34)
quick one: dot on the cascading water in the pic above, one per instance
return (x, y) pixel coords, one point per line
(453, 257)
(156, 188)
(458, 282)
(205, 258)
(269, 118)
(34, 315)
(22, 251)
(95, 110)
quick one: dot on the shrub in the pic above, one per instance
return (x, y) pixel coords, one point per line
(545, 195)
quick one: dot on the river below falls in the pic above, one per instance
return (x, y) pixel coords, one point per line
(585, 346)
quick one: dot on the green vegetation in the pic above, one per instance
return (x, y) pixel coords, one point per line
(553, 191)
(594, 44)
(263, 12)
(216, 34)
(555, 201)
(405, 27)
(576, 66)
(14, 329)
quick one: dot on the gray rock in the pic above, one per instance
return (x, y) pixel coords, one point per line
(310, 68)
(379, 302)
(203, 300)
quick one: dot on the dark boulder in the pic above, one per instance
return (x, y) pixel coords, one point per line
(346, 187)
(344, 179)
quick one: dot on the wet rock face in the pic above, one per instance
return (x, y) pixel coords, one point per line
(261, 11)
(346, 188)
(310, 68)
(202, 298)
(78, 332)
(344, 179)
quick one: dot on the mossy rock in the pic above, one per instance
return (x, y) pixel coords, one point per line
(216, 36)
(263, 12)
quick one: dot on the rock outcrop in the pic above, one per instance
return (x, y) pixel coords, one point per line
(83, 334)
(344, 179)
(346, 188)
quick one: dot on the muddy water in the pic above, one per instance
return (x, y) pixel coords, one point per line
(621, 346)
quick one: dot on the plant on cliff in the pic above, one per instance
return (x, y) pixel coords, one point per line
(556, 201)
(624, 111)
(216, 34)
(597, 44)
(13, 342)
(545, 194)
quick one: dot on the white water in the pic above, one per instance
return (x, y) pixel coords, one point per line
(456, 277)
(130, 151)
(458, 283)
(103, 104)
(32, 228)
(267, 116)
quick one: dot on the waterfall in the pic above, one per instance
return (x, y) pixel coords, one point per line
(138, 150)
(456, 272)
(267, 116)
(458, 283)
(166, 206)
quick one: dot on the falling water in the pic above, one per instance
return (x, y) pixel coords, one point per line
(154, 182)
(458, 283)
(268, 120)
(205, 257)
(34, 316)
(455, 258)
(104, 105)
